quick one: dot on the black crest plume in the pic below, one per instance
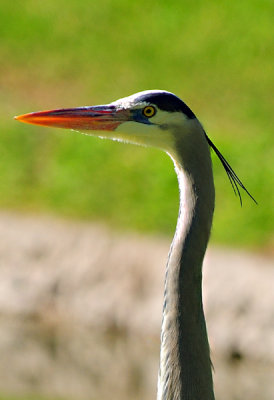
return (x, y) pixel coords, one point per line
(233, 178)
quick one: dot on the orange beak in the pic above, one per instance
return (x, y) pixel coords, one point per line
(106, 117)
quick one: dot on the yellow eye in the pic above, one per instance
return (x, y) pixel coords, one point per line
(149, 111)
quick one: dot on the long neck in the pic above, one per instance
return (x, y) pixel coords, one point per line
(185, 366)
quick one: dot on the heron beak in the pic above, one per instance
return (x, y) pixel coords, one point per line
(98, 118)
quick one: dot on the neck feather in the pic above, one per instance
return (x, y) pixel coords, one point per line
(185, 367)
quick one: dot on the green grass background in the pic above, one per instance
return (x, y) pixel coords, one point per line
(216, 55)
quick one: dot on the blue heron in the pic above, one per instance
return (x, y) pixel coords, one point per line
(160, 119)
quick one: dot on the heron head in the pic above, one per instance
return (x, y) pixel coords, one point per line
(150, 118)
(147, 118)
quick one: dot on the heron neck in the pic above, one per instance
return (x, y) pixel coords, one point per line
(185, 366)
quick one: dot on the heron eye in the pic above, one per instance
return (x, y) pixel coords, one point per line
(149, 111)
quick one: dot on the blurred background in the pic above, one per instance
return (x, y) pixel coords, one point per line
(79, 319)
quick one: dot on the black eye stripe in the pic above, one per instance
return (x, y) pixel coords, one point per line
(167, 102)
